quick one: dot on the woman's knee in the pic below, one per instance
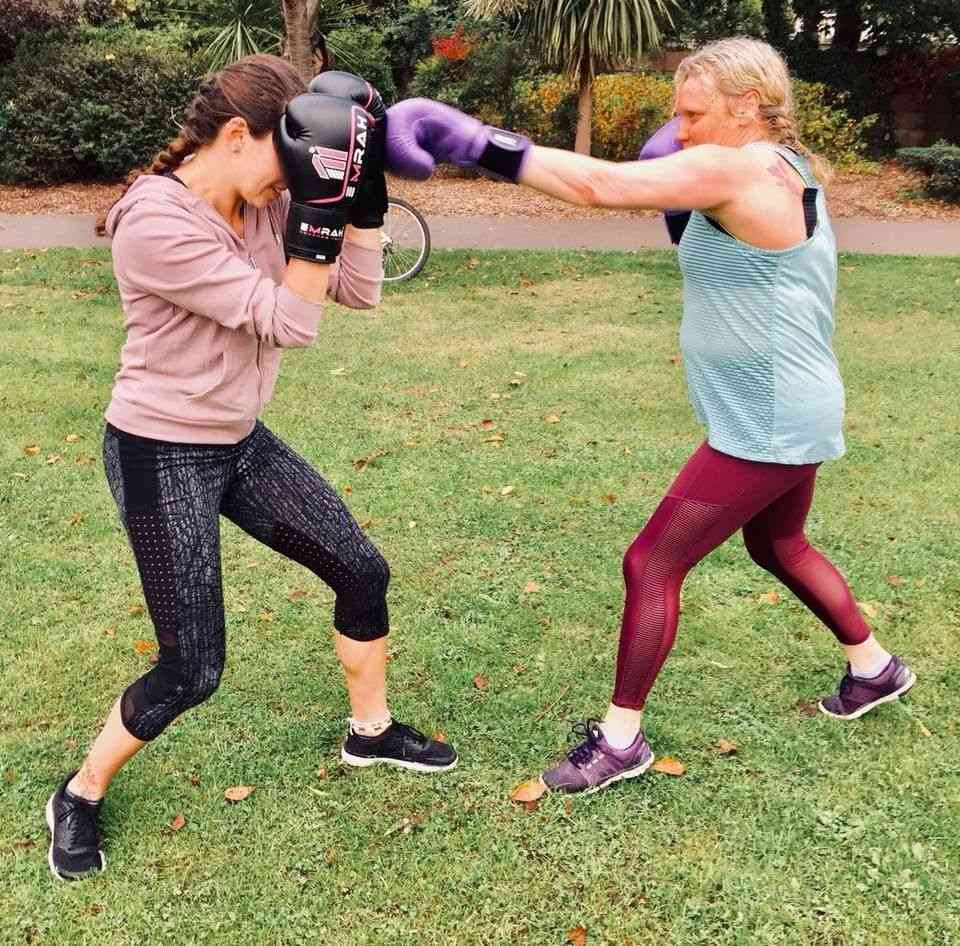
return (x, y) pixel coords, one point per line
(360, 611)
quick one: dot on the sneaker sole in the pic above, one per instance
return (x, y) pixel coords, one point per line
(53, 870)
(632, 773)
(889, 698)
(361, 762)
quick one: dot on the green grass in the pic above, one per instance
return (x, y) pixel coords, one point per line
(813, 833)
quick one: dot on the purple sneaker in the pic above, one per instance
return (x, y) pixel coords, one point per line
(856, 695)
(594, 763)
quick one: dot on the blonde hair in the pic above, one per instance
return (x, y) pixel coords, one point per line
(740, 65)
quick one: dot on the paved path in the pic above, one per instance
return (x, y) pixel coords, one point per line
(922, 237)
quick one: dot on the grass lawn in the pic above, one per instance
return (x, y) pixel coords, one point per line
(517, 417)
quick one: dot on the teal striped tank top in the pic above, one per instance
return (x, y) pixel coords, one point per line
(756, 338)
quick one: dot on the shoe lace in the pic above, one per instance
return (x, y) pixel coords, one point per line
(414, 735)
(80, 823)
(586, 732)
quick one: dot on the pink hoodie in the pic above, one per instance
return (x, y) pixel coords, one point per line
(205, 313)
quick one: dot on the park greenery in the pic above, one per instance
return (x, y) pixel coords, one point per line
(91, 88)
(502, 426)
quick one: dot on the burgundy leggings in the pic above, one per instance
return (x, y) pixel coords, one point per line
(713, 496)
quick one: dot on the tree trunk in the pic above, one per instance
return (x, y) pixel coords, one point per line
(811, 15)
(848, 25)
(297, 18)
(584, 114)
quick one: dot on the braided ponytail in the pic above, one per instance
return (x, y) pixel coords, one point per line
(255, 88)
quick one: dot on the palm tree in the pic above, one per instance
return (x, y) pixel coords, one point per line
(583, 38)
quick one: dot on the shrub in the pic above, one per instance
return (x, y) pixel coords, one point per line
(628, 108)
(18, 18)
(545, 110)
(90, 104)
(826, 128)
(942, 162)
(479, 82)
(360, 49)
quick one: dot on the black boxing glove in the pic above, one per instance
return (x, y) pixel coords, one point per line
(369, 208)
(322, 144)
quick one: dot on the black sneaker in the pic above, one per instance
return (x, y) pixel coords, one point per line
(74, 835)
(399, 745)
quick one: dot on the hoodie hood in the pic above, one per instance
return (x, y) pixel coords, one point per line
(158, 189)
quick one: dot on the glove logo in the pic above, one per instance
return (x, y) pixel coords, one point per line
(332, 233)
(329, 163)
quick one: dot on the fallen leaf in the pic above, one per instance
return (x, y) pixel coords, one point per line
(361, 463)
(24, 845)
(71, 438)
(608, 498)
(463, 364)
(135, 610)
(668, 765)
(481, 682)
(83, 459)
(867, 608)
(519, 668)
(366, 523)
(530, 790)
(506, 491)
(627, 452)
(770, 597)
(577, 936)
(920, 582)
(144, 647)
(805, 708)
(896, 581)
(21, 476)
(923, 730)
(496, 438)
(440, 736)
(265, 615)
(238, 792)
(348, 488)
(530, 587)
(487, 424)
(54, 458)
(298, 594)
(109, 632)
(552, 419)
(516, 382)
(725, 747)
(473, 263)
(75, 519)
(412, 524)
(531, 805)
(178, 822)
(336, 372)
(31, 449)
(674, 359)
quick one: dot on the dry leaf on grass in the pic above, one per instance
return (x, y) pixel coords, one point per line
(481, 682)
(528, 791)
(577, 936)
(487, 424)
(551, 419)
(725, 747)
(506, 491)
(361, 463)
(135, 610)
(608, 499)
(71, 438)
(238, 792)
(668, 765)
(530, 587)
(143, 647)
(895, 581)
(31, 449)
(770, 597)
(805, 708)
(178, 822)
(870, 610)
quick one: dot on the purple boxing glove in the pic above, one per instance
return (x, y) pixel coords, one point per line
(422, 133)
(664, 142)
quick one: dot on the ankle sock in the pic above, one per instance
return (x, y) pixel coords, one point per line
(370, 728)
(872, 669)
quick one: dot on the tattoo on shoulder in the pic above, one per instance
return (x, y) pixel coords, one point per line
(781, 176)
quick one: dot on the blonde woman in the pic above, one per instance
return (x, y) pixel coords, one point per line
(759, 266)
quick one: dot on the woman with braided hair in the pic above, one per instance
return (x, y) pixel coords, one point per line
(759, 266)
(224, 250)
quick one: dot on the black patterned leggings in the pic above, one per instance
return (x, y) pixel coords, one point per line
(170, 497)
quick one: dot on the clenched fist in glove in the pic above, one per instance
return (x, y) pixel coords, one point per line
(370, 205)
(322, 145)
(422, 133)
(662, 143)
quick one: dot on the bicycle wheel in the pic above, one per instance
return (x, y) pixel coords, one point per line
(405, 239)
